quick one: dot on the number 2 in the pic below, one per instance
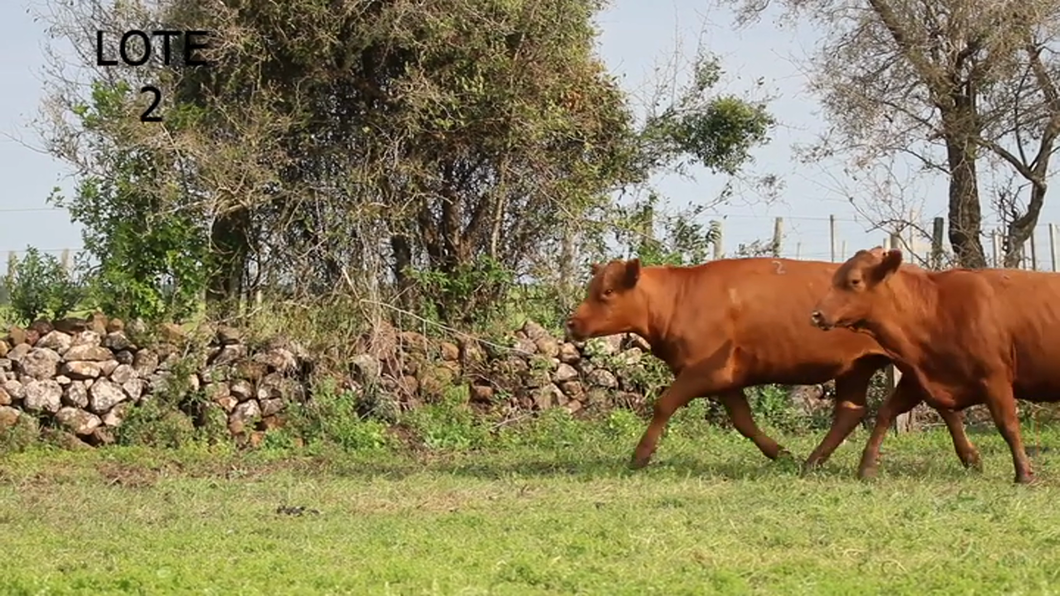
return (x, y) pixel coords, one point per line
(146, 116)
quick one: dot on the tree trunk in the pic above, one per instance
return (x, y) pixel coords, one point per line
(399, 244)
(229, 246)
(1021, 228)
(965, 213)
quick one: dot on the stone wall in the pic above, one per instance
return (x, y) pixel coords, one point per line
(531, 370)
(82, 377)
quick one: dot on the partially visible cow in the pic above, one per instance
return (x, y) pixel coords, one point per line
(966, 336)
(734, 323)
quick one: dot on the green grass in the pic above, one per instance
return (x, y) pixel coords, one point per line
(550, 510)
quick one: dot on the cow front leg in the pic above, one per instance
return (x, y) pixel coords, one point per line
(688, 385)
(898, 402)
(851, 390)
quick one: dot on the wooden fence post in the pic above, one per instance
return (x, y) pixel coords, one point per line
(778, 235)
(937, 231)
(1052, 244)
(831, 234)
(1034, 253)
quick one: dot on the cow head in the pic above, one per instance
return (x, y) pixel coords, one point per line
(613, 303)
(855, 290)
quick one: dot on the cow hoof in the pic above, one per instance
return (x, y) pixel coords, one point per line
(810, 466)
(638, 462)
(974, 463)
(867, 474)
(1027, 479)
(785, 459)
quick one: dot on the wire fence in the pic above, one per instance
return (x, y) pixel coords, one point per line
(836, 238)
(812, 237)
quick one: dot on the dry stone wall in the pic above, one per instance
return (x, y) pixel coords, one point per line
(83, 376)
(534, 371)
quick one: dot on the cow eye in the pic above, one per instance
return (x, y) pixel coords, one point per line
(855, 283)
(608, 292)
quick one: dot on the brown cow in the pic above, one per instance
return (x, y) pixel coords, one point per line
(966, 336)
(734, 323)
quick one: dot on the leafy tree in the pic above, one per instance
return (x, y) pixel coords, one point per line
(433, 150)
(149, 243)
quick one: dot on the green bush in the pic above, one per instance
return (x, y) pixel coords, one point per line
(334, 417)
(40, 286)
(449, 424)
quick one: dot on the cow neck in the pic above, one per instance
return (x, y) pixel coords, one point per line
(654, 329)
(912, 298)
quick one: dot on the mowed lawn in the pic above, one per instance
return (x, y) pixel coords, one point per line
(553, 511)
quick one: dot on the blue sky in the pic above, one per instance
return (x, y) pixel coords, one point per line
(637, 36)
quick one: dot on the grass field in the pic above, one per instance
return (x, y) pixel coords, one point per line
(551, 510)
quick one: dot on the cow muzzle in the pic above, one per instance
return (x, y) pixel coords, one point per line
(570, 330)
(817, 319)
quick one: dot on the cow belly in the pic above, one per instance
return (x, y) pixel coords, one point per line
(801, 371)
(1047, 392)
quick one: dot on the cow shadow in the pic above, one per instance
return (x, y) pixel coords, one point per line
(583, 468)
(676, 466)
(937, 464)
(935, 460)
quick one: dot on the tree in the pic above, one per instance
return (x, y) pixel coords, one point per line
(141, 222)
(433, 149)
(940, 82)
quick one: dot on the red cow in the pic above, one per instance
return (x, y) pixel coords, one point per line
(967, 336)
(734, 323)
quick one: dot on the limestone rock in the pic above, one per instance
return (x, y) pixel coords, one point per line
(76, 394)
(43, 396)
(88, 353)
(57, 341)
(77, 420)
(40, 363)
(104, 395)
(82, 369)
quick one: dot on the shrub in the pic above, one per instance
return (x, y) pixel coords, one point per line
(40, 286)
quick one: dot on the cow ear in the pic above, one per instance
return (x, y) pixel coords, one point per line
(632, 272)
(891, 260)
(594, 268)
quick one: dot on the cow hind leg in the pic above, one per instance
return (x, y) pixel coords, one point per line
(688, 385)
(1002, 404)
(739, 412)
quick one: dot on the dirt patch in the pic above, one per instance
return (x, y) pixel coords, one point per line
(407, 438)
(128, 475)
